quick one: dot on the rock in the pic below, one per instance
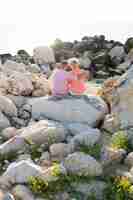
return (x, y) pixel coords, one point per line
(22, 192)
(24, 157)
(19, 173)
(62, 196)
(43, 54)
(8, 196)
(89, 111)
(7, 106)
(129, 57)
(77, 128)
(94, 188)
(110, 124)
(60, 150)
(81, 164)
(123, 109)
(129, 160)
(41, 85)
(17, 122)
(20, 84)
(112, 156)
(87, 138)
(85, 61)
(4, 122)
(10, 66)
(33, 68)
(9, 132)
(1, 194)
(117, 52)
(44, 132)
(12, 146)
(100, 57)
(19, 101)
(129, 44)
(124, 66)
(4, 85)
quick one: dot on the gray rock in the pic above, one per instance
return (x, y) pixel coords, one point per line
(112, 156)
(81, 164)
(117, 52)
(129, 159)
(12, 146)
(19, 173)
(9, 132)
(19, 101)
(89, 111)
(60, 150)
(43, 132)
(4, 122)
(123, 109)
(87, 138)
(77, 128)
(94, 188)
(8, 196)
(22, 192)
(7, 106)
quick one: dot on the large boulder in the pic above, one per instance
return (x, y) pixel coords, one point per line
(87, 138)
(83, 110)
(7, 106)
(20, 84)
(92, 189)
(42, 132)
(117, 52)
(82, 164)
(10, 66)
(41, 85)
(43, 54)
(122, 108)
(22, 192)
(20, 172)
(4, 122)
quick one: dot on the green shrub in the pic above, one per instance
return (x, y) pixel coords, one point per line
(94, 150)
(119, 140)
(118, 188)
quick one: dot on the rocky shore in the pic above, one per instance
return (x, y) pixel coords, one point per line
(77, 148)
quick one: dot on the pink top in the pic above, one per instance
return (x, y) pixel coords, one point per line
(60, 80)
(77, 87)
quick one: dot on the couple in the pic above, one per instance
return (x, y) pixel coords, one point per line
(68, 79)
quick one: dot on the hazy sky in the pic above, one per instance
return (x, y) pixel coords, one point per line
(29, 23)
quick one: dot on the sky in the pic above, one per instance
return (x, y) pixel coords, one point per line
(25, 24)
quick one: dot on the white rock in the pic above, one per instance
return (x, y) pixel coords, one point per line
(123, 109)
(87, 139)
(81, 164)
(129, 159)
(117, 51)
(20, 84)
(19, 173)
(77, 128)
(22, 192)
(7, 106)
(43, 54)
(70, 110)
(44, 132)
(95, 188)
(9, 132)
(4, 122)
(12, 146)
(59, 151)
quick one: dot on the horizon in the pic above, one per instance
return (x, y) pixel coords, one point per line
(27, 24)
